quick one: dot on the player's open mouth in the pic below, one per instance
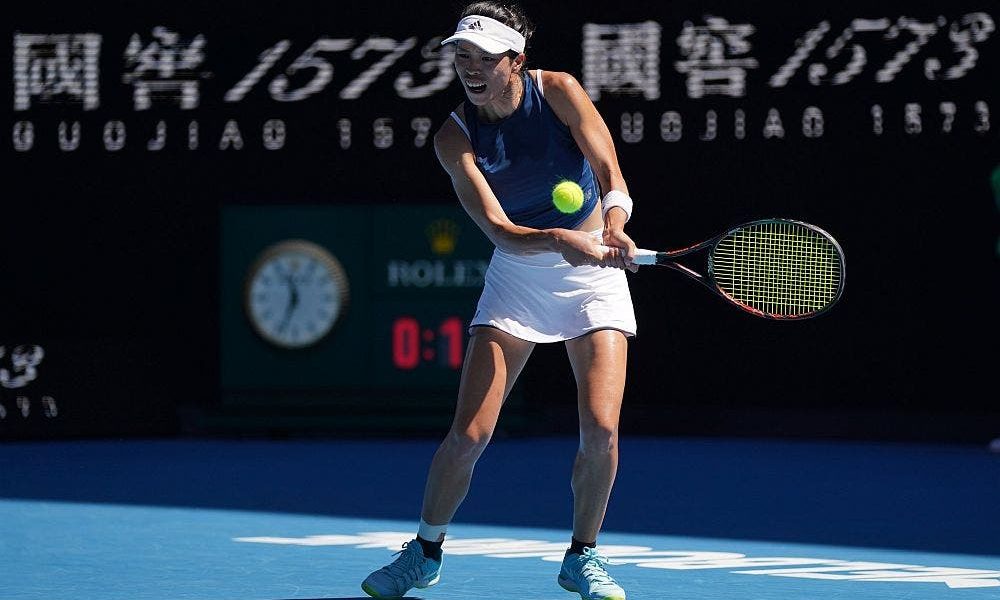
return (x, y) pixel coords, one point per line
(475, 87)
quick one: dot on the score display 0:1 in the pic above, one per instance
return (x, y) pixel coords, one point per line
(413, 344)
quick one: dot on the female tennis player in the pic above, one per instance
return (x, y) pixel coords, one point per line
(517, 135)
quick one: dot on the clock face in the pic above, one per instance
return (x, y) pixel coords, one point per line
(295, 293)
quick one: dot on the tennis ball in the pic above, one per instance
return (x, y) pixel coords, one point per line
(567, 196)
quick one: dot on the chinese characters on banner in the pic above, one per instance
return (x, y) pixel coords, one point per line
(714, 58)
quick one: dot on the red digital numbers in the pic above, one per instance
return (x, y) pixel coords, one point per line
(406, 343)
(452, 334)
(444, 345)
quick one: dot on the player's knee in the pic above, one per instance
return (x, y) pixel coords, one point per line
(469, 442)
(598, 437)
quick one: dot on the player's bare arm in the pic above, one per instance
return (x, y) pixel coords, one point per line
(573, 107)
(456, 157)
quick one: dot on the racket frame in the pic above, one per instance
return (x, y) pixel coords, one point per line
(668, 258)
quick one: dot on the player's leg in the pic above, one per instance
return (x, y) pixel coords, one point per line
(493, 361)
(599, 361)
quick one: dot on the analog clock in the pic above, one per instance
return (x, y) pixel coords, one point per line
(295, 292)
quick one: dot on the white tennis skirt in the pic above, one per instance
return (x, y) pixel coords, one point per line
(542, 298)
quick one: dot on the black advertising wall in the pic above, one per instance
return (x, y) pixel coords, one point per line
(156, 153)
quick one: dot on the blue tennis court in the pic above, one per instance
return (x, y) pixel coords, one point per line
(307, 519)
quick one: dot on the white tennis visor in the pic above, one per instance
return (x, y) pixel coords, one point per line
(489, 34)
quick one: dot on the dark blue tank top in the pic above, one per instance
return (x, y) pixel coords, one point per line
(525, 155)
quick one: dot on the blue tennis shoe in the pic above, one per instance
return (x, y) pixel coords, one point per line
(410, 569)
(586, 575)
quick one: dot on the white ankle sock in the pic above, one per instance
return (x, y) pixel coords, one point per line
(432, 533)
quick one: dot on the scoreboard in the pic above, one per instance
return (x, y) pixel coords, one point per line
(408, 280)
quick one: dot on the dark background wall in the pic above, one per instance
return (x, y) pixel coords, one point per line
(114, 253)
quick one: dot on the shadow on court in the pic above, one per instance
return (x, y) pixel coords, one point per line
(917, 497)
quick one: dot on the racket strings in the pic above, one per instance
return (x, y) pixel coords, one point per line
(778, 268)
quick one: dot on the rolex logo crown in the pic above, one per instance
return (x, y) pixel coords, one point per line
(442, 234)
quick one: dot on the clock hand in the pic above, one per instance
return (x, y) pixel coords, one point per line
(293, 302)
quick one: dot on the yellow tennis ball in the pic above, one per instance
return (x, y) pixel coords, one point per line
(567, 196)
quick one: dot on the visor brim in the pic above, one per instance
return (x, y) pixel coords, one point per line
(479, 40)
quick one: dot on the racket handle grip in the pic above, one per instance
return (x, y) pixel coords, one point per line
(645, 257)
(642, 257)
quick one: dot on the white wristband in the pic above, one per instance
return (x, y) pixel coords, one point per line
(620, 199)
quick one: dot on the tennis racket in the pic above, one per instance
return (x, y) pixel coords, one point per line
(772, 268)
